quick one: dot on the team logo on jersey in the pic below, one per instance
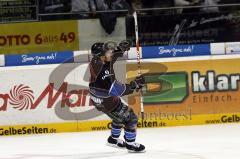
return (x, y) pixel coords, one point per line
(107, 74)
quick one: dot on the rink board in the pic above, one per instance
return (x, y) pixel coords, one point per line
(54, 98)
(190, 91)
(48, 98)
(52, 128)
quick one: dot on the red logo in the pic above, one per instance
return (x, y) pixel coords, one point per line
(21, 97)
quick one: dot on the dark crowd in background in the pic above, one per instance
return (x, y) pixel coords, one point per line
(82, 9)
(59, 6)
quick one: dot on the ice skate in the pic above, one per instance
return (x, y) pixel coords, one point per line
(116, 143)
(134, 147)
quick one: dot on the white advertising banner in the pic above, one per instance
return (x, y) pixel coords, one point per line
(45, 94)
(232, 48)
(2, 60)
(217, 48)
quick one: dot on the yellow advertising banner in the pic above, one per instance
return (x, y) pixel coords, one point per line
(37, 37)
(189, 92)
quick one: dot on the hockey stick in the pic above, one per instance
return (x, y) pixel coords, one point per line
(138, 60)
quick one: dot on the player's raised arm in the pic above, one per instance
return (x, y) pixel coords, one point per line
(120, 89)
(121, 49)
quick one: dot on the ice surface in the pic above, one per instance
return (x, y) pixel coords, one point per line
(196, 142)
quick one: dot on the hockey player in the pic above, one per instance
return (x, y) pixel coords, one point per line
(105, 93)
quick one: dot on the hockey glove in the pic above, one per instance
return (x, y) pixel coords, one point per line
(138, 83)
(124, 45)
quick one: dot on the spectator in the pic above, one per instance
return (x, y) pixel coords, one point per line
(119, 5)
(137, 4)
(181, 3)
(54, 6)
(108, 20)
(210, 3)
(81, 6)
(229, 9)
(101, 5)
(98, 5)
(158, 4)
(185, 3)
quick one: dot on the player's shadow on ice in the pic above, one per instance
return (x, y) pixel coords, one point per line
(94, 155)
(152, 154)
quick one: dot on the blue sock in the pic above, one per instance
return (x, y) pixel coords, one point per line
(130, 135)
(116, 131)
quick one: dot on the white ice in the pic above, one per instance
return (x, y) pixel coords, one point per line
(192, 142)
